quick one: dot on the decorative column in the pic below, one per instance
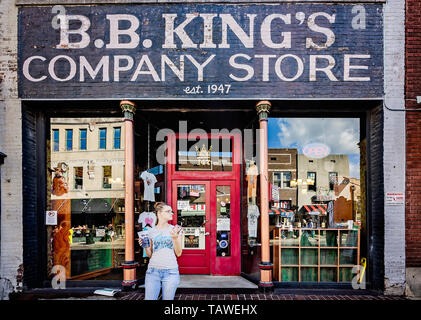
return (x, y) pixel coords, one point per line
(129, 265)
(265, 265)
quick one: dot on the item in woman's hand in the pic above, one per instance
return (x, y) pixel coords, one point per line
(144, 235)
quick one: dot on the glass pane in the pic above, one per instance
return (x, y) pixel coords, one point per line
(191, 214)
(328, 238)
(309, 274)
(89, 237)
(56, 141)
(289, 274)
(117, 138)
(204, 155)
(69, 139)
(223, 223)
(348, 238)
(290, 238)
(328, 257)
(328, 275)
(102, 138)
(346, 275)
(83, 136)
(309, 238)
(107, 177)
(309, 257)
(289, 256)
(348, 256)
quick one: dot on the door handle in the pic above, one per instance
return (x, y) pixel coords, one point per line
(207, 233)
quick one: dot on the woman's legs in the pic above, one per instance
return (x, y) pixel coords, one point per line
(170, 282)
(152, 284)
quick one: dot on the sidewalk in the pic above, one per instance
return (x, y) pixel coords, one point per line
(140, 296)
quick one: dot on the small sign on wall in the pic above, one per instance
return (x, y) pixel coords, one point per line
(51, 218)
(394, 198)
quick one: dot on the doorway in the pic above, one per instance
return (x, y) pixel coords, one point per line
(206, 200)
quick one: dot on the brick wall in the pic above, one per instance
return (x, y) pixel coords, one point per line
(413, 138)
(11, 145)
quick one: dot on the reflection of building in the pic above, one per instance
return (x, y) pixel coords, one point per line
(93, 151)
(317, 178)
(87, 174)
(282, 168)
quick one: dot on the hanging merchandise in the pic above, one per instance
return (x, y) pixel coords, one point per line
(149, 181)
(252, 173)
(147, 218)
(252, 215)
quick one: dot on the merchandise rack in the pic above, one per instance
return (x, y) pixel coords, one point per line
(315, 255)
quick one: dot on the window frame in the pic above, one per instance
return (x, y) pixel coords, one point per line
(83, 139)
(314, 186)
(74, 178)
(69, 140)
(282, 179)
(115, 138)
(102, 138)
(106, 185)
(54, 140)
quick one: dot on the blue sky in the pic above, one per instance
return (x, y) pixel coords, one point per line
(340, 134)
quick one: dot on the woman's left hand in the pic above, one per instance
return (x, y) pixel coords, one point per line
(176, 232)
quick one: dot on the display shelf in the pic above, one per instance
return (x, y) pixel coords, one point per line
(317, 255)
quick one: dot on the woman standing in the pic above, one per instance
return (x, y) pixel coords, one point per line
(165, 245)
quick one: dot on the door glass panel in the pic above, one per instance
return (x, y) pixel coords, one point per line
(204, 155)
(223, 222)
(191, 214)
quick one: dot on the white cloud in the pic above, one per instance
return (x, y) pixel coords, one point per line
(340, 134)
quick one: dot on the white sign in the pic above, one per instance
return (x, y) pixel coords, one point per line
(51, 218)
(395, 198)
(275, 193)
(223, 224)
(99, 233)
(183, 205)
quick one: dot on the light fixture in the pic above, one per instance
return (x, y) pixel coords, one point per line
(300, 182)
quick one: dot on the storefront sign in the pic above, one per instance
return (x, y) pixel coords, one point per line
(394, 198)
(213, 51)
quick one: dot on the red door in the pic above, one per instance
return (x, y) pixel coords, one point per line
(209, 214)
(206, 201)
(225, 228)
(191, 203)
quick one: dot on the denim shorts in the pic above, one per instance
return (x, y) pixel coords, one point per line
(167, 279)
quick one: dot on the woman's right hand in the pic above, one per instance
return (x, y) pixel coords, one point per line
(140, 241)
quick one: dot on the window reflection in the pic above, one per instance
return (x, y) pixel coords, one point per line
(317, 197)
(191, 214)
(204, 155)
(87, 191)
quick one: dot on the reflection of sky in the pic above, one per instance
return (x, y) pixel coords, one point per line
(340, 134)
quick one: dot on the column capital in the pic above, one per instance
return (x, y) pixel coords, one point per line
(263, 108)
(128, 108)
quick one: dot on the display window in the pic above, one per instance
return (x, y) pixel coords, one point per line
(317, 209)
(86, 189)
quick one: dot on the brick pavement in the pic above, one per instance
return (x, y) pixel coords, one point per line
(140, 296)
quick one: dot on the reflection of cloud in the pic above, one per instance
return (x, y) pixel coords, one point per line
(354, 170)
(340, 134)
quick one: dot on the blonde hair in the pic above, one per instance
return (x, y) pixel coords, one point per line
(159, 206)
